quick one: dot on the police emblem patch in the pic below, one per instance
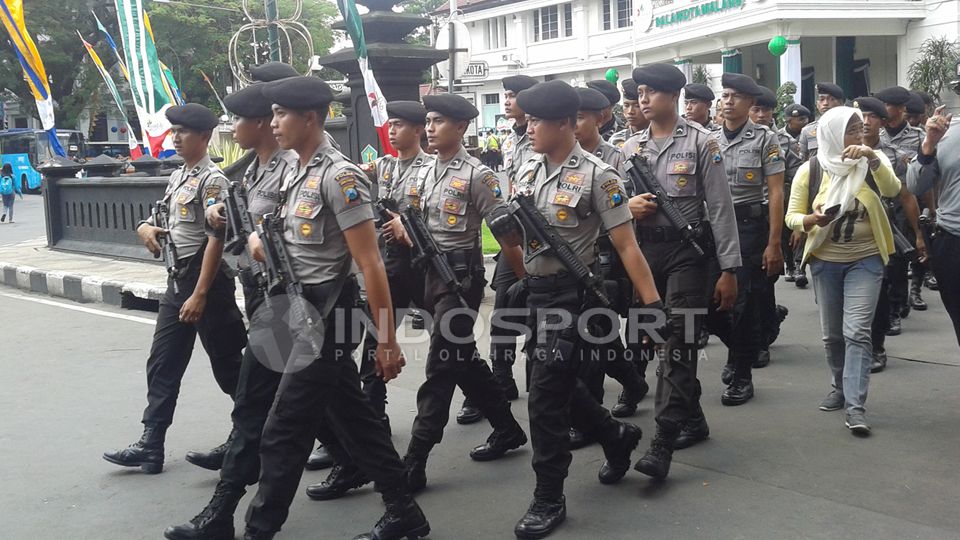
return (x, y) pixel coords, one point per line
(306, 229)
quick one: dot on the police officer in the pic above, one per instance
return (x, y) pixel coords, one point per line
(696, 105)
(795, 117)
(503, 340)
(754, 167)
(199, 299)
(636, 122)
(327, 219)
(903, 143)
(610, 91)
(917, 110)
(829, 96)
(762, 113)
(688, 163)
(613, 354)
(577, 194)
(257, 383)
(454, 193)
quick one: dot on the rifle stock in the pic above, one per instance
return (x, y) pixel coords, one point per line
(640, 173)
(161, 218)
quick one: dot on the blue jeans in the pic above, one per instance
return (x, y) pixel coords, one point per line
(847, 294)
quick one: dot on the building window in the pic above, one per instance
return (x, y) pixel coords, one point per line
(491, 99)
(495, 33)
(617, 14)
(547, 22)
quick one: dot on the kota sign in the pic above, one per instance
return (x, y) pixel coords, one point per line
(478, 70)
(702, 9)
(368, 154)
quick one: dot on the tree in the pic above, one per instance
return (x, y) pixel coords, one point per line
(934, 67)
(784, 99)
(701, 75)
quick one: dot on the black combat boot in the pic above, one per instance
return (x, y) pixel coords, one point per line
(916, 300)
(254, 534)
(503, 374)
(542, 518)
(763, 358)
(694, 430)
(896, 327)
(342, 478)
(416, 472)
(579, 439)
(319, 459)
(656, 462)
(801, 281)
(617, 450)
(215, 522)
(147, 453)
(499, 443)
(403, 518)
(469, 414)
(879, 362)
(212, 460)
(630, 396)
(739, 392)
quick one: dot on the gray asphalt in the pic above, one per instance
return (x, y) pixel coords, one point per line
(29, 223)
(774, 468)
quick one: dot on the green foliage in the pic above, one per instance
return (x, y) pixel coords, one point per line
(935, 65)
(226, 148)
(701, 75)
(784, 99)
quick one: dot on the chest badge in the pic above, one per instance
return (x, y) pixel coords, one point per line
(679, 167)
(306, 229)
(749, 176)
(682, 182)
(451, 220)
(562, 214)
(312, 183)
(183, 211)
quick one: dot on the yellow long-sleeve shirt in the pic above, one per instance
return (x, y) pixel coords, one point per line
(888, 185)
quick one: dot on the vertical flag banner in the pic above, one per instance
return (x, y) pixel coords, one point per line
(131, 138)
(33, 70)
(214, 90)
(378, 103)
(113, 47)
(169, 84)
(146, 76)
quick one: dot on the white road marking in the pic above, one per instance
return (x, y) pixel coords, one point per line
(131, 318)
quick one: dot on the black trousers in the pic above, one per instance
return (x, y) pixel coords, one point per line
(406, 289)
(946, 268)
(453, 361)
(753, 302)
(503, 339)
(681, 278)
(558, 397)
(221, 332)
(323, 400)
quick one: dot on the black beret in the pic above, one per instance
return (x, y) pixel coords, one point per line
(249, 102)
(591, 100)
(518, 83)
(193, 116)
(895, 95)
(452, 106)
(796, 110)
(741, 83)
(299, 93)
(664, 77)
(871, 105)
(272, 71)
(551, 100)
(607, 88)
(698, 91)
(767, 98)
(411, 111)
(927, 98)
(915, 104)
(831, 90)
(630, 89)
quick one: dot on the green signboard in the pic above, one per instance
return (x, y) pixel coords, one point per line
(697, 11)
(368, 154)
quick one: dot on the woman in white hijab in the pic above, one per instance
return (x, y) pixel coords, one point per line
(849, 241)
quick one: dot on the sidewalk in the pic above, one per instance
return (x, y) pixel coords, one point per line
(31, 266)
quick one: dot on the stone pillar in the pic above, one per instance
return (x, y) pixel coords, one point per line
(732, 61)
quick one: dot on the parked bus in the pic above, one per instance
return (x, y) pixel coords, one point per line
(25, 149)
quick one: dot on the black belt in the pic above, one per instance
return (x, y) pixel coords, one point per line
(551, 283)
(751, 211)
(464, 258)
(660, 234)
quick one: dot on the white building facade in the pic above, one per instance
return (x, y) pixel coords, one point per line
(862, 45)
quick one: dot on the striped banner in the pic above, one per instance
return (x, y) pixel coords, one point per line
(146, 76)
(108, 80)
(33, 70)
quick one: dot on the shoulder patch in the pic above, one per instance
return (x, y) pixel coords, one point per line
(348, 186)
(713, 149)
(773, 152)
(491, 181)
(211, 192)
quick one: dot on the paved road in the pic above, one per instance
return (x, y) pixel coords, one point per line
(29, 222)
(775, 468)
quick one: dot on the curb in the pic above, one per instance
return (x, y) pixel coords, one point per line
(78, 287)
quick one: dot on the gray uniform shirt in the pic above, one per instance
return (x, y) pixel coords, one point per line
(323, 199)
(620, 137)
(262, 184)
(790, 149)
(454, 197)
(808, 141)
(187, 196)
(689, 166)
(394, 178)
(752, 156)
(517, 149)
(942, 172)
(577, 199)
(609, 154)
(902, 147)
